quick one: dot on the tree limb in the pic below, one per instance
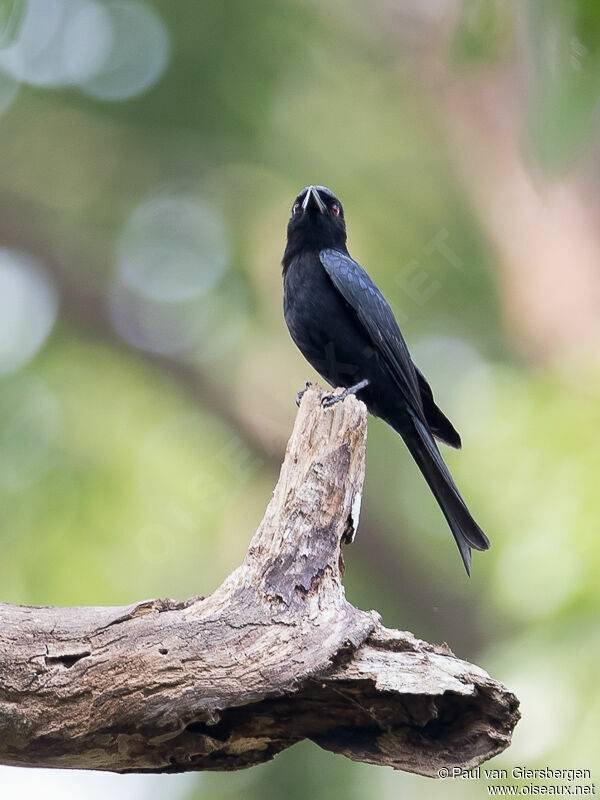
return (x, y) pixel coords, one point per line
(275, 655)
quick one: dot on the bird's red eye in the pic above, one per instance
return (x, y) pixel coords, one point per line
(296, 208)
(335, 210)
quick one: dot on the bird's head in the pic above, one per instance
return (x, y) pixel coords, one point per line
(317, 222)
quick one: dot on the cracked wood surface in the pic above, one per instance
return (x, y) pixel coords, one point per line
(275, 655)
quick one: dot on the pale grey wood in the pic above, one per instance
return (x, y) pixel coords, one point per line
(275, 655)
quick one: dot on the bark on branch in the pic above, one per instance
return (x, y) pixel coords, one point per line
(274, 656)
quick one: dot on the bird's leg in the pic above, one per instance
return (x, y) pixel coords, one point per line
(300, 394)
(331, 399)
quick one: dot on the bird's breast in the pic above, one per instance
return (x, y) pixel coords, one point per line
(309, 297)
(322, 324)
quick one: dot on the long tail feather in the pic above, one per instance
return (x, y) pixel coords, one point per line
(465, 530)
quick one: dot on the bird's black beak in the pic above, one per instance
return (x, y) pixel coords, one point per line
(312, 194)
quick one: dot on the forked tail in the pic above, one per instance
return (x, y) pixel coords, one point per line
(465, 530)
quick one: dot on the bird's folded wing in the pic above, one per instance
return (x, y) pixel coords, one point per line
(438, 422)
(377, 318)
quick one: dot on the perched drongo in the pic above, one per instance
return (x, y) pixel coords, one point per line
(344, 327)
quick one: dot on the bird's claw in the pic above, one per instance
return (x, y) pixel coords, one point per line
(301, 393)
(329, 400)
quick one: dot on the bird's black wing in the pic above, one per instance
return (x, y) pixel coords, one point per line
(376, 317)
(378, 320)
(438, 422)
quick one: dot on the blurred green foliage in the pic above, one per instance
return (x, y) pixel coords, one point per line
(565, 67)
(133, 466)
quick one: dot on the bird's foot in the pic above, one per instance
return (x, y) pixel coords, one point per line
(301, 393)
(331, 399)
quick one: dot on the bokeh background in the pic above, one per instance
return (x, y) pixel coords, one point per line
(150, 152)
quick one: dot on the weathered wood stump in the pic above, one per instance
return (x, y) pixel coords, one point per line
(274, 656)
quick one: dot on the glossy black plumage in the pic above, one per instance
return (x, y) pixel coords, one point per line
(344, 327)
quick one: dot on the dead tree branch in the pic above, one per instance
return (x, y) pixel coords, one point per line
(274, 656)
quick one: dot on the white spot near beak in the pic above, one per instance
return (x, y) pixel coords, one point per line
(312, 192)
(306, 200)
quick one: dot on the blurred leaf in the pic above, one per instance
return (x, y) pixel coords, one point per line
(482, 32)
(11, 13)
(563, 56)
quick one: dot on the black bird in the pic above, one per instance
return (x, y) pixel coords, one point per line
(344, 327)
